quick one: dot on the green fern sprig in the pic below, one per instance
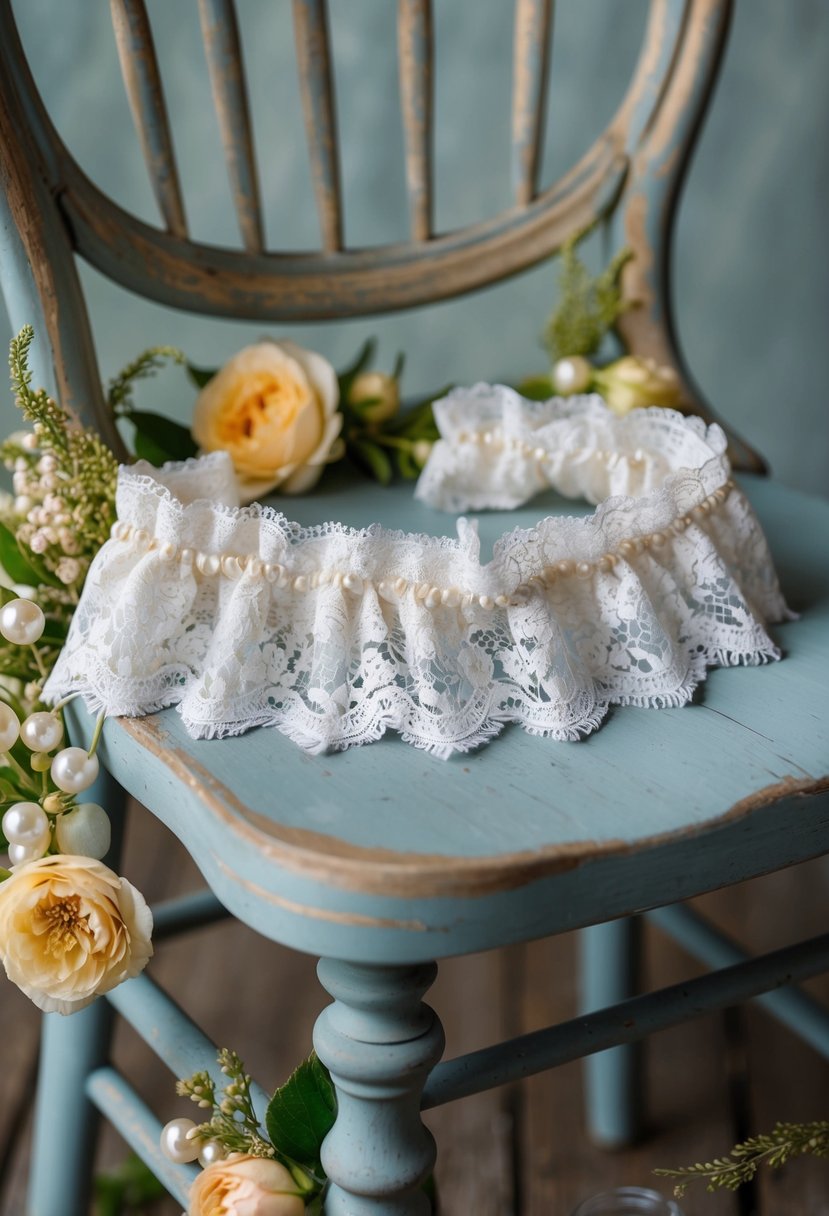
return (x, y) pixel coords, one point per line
(587, 308)
(785, 1142)
(36, 405)
(121, 387)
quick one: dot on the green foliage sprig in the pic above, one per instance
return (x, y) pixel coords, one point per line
(233, 1122)
(587, 308)
(773, 1149)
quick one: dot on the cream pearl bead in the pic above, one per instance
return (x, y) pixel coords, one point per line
(41, 732)
(572, 375)
(19, 854)
(211, 1152)
(84, 831)
(9, 727)
(73, 770)
(174, 1143)
(21, 622)
(26, 823)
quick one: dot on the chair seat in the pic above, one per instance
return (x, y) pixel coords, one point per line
(383, 853)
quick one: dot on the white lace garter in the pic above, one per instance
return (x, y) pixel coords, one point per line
(336, 635)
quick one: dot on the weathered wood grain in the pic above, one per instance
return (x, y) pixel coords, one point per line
(787, 1080)
(142, 79)
(220, 31)
(530, 75)
(416, 56)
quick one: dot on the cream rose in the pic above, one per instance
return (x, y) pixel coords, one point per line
(70, 929)
(631, 382)
(273, 409)
(245, 1186)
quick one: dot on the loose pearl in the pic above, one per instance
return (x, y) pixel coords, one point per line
(167, 551)
(584, 569)
(21, 622)
(42, 732)
(486, 601)
(433, 598)
(211, 1152)
(657, 540)
(353, 583)
(502, 601)
(141, 538)
(451, 597)
(565, 567)
(174, 1143)
(572, 375)
(186, 557)
(25, 823)
(85, 831)
(73, 770)
(9, 727)
(301, 582)
(19, 854)
(272, 571)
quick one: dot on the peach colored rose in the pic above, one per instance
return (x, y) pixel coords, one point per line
(71, 929)
(273, 408)
(245, 1186)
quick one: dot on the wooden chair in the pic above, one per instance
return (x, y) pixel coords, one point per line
(365, 859)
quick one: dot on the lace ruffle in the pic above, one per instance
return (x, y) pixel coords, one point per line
(335, 635)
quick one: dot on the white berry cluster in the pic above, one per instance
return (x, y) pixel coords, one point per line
(49, 527)
(47, 818)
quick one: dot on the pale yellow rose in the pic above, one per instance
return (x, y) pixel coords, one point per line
(273, 409)
(632, 382)
(245, 1186)
(71, 929)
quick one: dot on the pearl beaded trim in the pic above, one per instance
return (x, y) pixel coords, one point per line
(232, 565)
(497, 440)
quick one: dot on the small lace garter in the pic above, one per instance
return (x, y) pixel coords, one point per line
(335, 635)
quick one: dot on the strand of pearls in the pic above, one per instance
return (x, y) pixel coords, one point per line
(498, 441)
(233, 566)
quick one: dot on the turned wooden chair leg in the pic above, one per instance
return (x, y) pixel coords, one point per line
(613, 1079)
(379, 1041)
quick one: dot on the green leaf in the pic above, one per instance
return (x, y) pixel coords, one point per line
(348, 375)
(13, 561)
(301, 1114)
(201, 375)
(407, 466)
(159, 439)
(372, 459)
(537, 388)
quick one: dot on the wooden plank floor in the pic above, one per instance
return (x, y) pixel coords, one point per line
(514, 1152)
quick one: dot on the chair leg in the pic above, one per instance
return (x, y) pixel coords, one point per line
(379, 1041)
(65, 1121)
(65, 1125)
(613, 1079)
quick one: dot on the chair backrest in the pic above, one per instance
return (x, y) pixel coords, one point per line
(629, 178)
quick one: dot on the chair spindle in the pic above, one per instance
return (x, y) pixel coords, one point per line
(531, 69)
(415, 49)
(316, 76)
(222, 48)
(139, 67)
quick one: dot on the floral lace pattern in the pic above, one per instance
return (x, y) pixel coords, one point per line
(335, 635)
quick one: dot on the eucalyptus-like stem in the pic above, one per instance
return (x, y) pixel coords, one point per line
(41, 666)
(96, 738)
(25, 777)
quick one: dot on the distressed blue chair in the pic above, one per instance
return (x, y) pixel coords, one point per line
(365, 859)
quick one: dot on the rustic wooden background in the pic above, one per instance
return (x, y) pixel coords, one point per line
(519, 1151)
